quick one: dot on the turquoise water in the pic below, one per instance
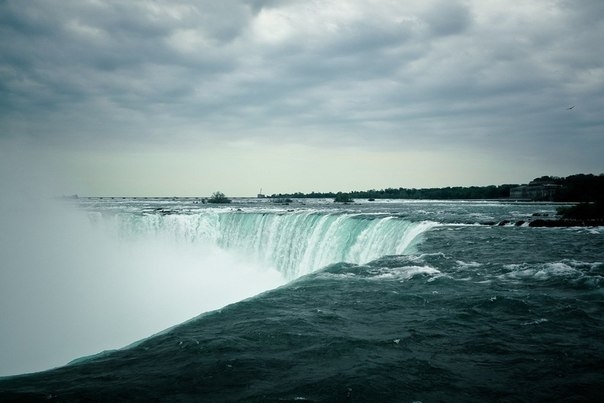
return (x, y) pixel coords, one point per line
(390, 301)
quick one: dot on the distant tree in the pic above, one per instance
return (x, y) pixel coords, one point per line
(581, 188)
(218, 197)
(343, 198)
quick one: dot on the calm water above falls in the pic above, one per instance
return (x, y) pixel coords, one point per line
(390, 301)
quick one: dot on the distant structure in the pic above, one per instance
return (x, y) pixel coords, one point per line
(261, 195)
(535, 190)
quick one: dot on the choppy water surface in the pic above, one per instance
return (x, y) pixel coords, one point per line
(389, 301)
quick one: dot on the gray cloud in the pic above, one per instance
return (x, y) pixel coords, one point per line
(431, 74)
(449, 18)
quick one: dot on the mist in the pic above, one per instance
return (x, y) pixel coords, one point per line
(70, 288)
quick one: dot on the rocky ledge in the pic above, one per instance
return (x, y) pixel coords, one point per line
(552, 222)
(567, 222)
(580, 215)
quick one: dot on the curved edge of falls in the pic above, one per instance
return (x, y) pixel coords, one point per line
(295, 243)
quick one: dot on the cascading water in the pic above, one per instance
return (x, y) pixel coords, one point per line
(295, 243)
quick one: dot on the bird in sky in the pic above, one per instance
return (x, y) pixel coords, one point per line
(571, 107)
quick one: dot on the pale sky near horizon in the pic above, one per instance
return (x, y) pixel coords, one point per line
(184, 98)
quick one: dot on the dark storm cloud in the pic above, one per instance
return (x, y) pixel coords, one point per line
(429, 73)
(449, 18)
(110, 60)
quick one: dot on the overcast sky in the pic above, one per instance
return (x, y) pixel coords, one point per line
(188, 97)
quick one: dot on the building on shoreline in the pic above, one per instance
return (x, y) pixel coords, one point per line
(535, 191)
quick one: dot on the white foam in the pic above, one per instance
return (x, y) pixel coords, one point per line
(404, 273)
(464, 265)
(541, 271)
(535, 322)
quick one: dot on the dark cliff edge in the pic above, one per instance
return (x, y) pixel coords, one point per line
(578, 215)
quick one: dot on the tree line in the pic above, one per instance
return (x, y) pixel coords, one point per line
(458, 192)
(580, 187)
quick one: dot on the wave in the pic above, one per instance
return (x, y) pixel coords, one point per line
(567, 272)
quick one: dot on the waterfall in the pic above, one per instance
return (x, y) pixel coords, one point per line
(295, 243)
